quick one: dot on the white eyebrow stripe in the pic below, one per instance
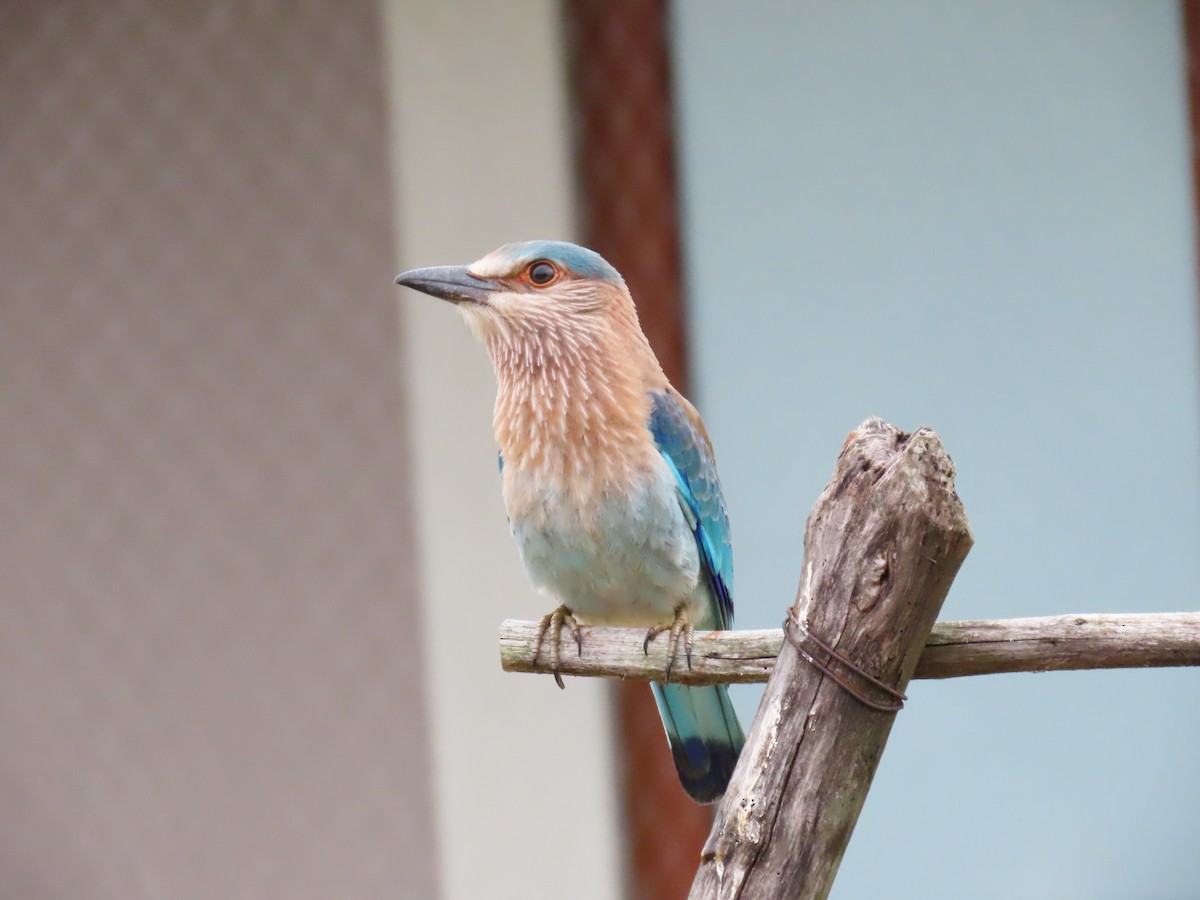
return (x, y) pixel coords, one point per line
(494, 265)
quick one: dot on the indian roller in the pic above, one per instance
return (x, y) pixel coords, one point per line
(607, 473)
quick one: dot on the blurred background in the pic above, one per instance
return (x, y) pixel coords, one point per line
(253, 552)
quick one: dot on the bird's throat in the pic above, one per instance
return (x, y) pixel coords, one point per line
(567, 409)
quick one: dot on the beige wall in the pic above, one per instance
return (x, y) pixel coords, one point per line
(523, 779)
(210, 678)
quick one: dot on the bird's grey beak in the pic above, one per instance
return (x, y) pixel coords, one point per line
(453, 283)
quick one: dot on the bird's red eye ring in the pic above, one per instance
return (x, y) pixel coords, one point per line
(541, 273)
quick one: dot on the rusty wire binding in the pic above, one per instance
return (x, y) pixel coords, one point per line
(796, 641)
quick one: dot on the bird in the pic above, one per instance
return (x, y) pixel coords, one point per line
(607, 473)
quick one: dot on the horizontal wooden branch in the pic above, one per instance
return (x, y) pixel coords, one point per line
(985, 647)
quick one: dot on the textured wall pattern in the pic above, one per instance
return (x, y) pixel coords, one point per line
(209, 678)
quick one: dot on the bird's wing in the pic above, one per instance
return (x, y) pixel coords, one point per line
(683, 441)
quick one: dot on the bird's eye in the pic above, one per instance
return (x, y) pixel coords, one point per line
(541, 273)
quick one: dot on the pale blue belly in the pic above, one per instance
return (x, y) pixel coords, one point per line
(629, 561)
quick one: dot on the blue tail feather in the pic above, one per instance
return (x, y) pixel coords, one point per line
(704, 735)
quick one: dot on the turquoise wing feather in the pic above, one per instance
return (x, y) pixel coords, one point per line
(701, 725)
(689, 454)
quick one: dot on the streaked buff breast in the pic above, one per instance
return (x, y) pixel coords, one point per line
(592, 503)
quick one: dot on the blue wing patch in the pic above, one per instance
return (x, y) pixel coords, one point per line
(690, 457)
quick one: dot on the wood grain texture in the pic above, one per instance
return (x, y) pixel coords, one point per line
(1056, 643)
(882, 545)
(984, 647)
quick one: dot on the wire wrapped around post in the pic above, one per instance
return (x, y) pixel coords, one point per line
(792, 625)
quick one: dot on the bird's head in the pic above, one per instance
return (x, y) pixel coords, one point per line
(525, 284)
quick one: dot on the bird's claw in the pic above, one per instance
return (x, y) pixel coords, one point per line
(680, 627)
(555, 622)
(654, 632)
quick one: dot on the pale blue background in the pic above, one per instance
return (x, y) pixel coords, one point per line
(976, 216)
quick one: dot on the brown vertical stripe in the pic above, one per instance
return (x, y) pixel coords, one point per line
(1191, 31)
(625, 153)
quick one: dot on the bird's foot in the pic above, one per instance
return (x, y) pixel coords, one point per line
(680, 628)
(553, 623)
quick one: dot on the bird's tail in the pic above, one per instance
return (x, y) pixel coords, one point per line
(704, 734)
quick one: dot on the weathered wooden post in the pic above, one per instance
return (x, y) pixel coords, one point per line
(882, 545)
